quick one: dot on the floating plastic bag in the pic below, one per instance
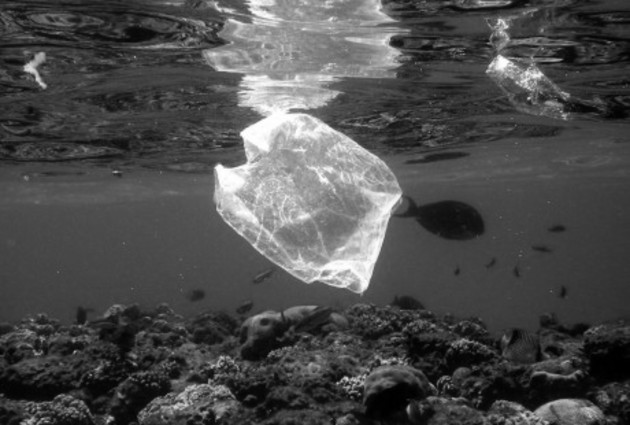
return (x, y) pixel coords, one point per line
(310, 199)
(528, 89)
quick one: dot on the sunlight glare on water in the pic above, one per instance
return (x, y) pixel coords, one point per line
(292, 51)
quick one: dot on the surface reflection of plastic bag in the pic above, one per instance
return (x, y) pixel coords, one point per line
(310, 199)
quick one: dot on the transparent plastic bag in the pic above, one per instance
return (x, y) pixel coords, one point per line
(310, 199)
(528, 89)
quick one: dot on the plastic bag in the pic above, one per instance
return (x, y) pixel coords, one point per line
(528, 89)
(310, 199)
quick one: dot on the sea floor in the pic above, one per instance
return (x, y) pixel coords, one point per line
(309, 365)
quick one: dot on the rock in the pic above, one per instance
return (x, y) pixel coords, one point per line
(607, 347)
(11, 411)
(264, 332)
(211, 328)
(41, 377)
(558, 384)
(135, 392)
(571, 411)
(614, 399)
(62, 410)
(200, 404)
(261, 333)
(443, 411)
(503, 412)
(298, 417)
(465, 352)
(428, 350)
(287, 397)
(19, 345)
(388, 390)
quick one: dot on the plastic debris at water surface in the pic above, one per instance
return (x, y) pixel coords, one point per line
(310, 199)
(528, 89)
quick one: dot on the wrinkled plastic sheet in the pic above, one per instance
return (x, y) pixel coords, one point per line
(528, 89)
(310, 199)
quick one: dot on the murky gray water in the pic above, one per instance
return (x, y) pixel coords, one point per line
(106, 173)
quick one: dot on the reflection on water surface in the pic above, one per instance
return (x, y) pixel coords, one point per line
(292, 50)
(106, 178)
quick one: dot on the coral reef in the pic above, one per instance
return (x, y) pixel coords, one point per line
(389, 388)
(366, 365)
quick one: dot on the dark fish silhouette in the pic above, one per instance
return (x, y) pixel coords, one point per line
(542, 248)
(491, 263)
(563, 292)
(245, 307)
(407, 302)
(81, 315)
(516, 271)
(437, 156)
(264, 275)
(557, 228)
(195, 295)
(312, 322)
(520, 346)
(121, 332)
(448, 219)
(457, 271)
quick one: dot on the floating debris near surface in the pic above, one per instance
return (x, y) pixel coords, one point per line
(31, 68)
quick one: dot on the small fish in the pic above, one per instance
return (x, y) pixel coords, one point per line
(245, 307)
(81, 315)
(407, 302)
(520, 346)
(516, 271)
(563, 292)
(452, 220)
(557, 228)
(117, 173)
(542, 248)
(317, 318)
(263, 275)
(457, 271)
(492, 262)
(195, 295)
